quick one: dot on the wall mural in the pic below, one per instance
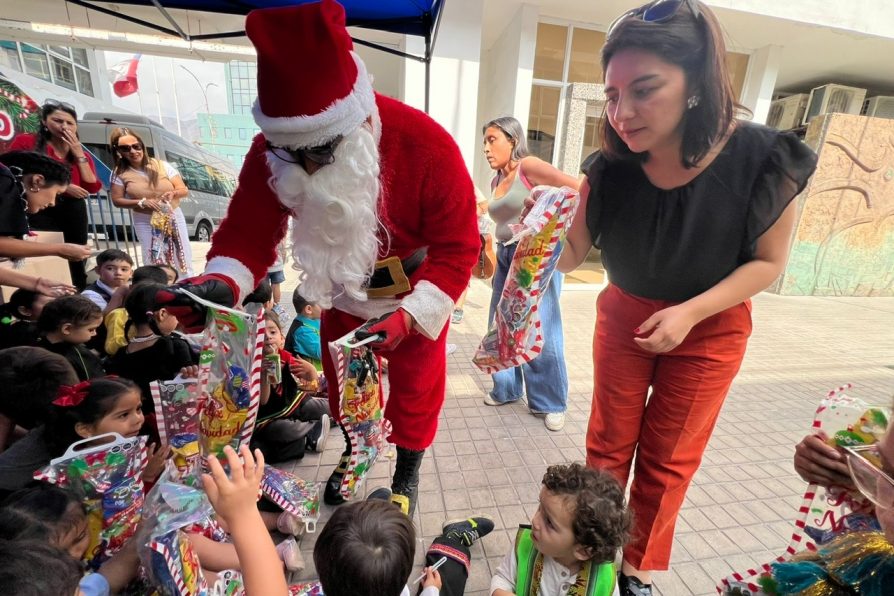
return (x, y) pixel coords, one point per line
(844, 239)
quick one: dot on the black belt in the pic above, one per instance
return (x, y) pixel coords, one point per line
(385, 275)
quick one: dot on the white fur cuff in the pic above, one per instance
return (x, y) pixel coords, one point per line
(430, 308)
(236, 271)
(345, 115)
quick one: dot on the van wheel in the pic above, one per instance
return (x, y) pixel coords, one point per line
(203, 232)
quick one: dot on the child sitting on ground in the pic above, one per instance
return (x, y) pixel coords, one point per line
(570, 546)
(85, 410)
(290, 420)
(367, 548)
(153, 353)
(65, 325)
(18, 318)
(53, 515)
(114, 268)
(303, 337)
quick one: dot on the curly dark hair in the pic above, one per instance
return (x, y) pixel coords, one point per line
(602, 522)
(31, 163)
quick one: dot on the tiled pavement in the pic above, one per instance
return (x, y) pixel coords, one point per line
(740, 507)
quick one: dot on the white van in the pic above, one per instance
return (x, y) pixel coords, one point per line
(210, 178)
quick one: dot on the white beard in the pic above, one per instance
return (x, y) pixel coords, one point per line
(334, 239)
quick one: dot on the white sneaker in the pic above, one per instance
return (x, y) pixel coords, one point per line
(290, 554)
(555, 421)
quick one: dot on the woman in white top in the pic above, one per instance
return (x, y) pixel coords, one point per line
(147, 185)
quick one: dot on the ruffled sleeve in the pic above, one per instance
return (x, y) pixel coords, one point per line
(783, 176)
(594, 200)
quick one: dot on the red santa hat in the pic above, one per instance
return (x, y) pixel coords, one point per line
(311, 86)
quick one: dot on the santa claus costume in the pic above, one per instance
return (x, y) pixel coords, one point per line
(384, 214)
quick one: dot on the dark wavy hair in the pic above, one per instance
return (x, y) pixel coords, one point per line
(365, 549)
(602, 522)
(33, 568)
(44, 134)
(30, 378)
(102, 395)
(32, 162)
(77, 310)
(695, 44)
(40, 511)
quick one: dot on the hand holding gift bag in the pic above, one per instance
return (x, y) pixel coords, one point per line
(514, 337)
(361, 407)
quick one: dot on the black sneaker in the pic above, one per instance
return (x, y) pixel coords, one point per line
(316, 439)
(631, 586)
(468, 530)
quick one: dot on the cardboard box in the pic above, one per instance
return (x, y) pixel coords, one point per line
(55, 268)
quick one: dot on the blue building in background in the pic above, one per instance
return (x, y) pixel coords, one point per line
(229, 135)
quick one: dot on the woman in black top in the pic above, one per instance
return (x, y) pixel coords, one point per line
(693, 212)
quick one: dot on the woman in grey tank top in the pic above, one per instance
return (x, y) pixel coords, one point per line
(544, 380)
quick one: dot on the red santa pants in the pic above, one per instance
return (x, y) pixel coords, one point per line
(416, 376)
(668, 431)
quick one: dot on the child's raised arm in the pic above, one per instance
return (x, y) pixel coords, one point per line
(235, 500)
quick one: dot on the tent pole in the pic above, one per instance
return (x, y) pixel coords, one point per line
(427, 66)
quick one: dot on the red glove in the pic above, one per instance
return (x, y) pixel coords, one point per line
(213, 287)
(391, 328)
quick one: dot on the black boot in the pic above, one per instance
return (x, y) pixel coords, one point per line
(405, 483)
(332, 492)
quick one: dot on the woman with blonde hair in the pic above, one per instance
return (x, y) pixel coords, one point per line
(153, 189)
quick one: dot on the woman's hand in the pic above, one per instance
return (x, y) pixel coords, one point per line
(74, 252)
(818, 462)
(168, 196)
(70, 138)
(155, 465)
(153, 204)
(665, 330)
(52, 288)
(76, 192)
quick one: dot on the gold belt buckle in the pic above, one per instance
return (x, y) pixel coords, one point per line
(401, 283)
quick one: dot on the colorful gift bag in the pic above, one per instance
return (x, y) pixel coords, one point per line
(230, 583)
(177, 416)
(229, 377)
(173, 566)
(106, 471)
(166, 245)
(293, 495)
(514, 336)
(361, 407)
(824, 513)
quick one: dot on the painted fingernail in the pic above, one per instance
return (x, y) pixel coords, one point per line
(636, 330)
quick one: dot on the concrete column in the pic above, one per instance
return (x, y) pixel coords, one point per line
(760, 81)
(507, 70)
(578, 96)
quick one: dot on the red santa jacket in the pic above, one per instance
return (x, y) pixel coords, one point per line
(429, 201)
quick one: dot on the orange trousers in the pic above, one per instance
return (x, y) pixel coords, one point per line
(668, 429)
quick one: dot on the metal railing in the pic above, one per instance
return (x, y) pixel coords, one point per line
(112, 227)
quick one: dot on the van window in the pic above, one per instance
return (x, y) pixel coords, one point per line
(200, 177)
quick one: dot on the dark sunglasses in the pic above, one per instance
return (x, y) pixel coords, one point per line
(322, 155)
(129, 148)
(55, 103)
(659, 11)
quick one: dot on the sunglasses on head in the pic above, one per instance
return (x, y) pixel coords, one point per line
(321, 155)
(129, 148)
(55, 103)
(659, 11)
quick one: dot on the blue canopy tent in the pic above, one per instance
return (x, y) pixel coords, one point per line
(408, 17)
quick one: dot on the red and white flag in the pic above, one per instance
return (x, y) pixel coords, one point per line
(124, 76)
